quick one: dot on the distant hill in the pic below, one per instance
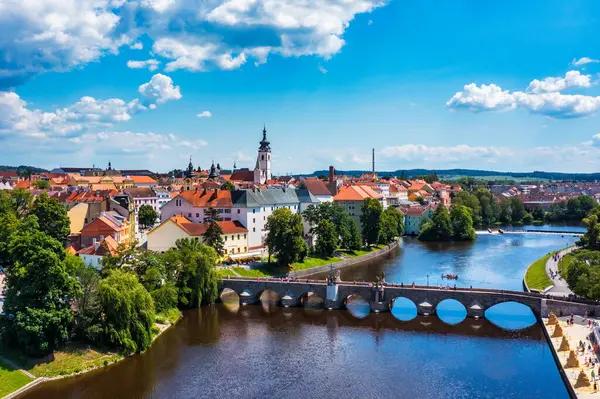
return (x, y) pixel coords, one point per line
(456, 173)
(6, 168)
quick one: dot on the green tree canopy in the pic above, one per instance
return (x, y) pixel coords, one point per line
(343, 223)
(471, 201)
(213, 237)
(439, 228)
(41, 184)
(52, 217)
(370, 220)
(392, 225)
(284, 238)
(327, 239)
(147, 216)
(462, 223)
(591, 238)
(128, 312)
(40, 288)
(228, 186)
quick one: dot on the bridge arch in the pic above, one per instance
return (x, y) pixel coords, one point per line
(357, 305)
(511, 314)
(451, 311)
(227, 293)
(270, 297)
(311, 300)
(403, 308)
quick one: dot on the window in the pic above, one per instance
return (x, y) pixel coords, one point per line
(254, 229)
(224, 238)
(264, 218)
(197, 215)
(244, 236)
(238, 211)
(189, 215)
(262, 157)
(245, 249)
(253, 210)
(238, 236)
(227, 210)
(253, 220)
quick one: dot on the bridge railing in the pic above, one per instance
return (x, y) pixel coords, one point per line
(415, 286)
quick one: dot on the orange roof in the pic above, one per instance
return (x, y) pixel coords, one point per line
(142, 179)
(107, 245)
(355, 193)
(22, 184)
(198, 229)
(208, 198)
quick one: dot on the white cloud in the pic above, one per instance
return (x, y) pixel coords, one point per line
(195, 145)
(463, 152)
(493, 98)
(151, 64)
(204, 114)
(128, 141)
(322, 69)
(583, 61)
(482, 98)
(57, 35)
(160, 89)
(16, 118)
(572, 79)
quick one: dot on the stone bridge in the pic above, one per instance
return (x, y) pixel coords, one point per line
(381, 298)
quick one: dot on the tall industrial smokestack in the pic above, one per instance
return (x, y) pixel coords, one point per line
(373, 160)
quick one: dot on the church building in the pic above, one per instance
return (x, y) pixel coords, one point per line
(262, 171)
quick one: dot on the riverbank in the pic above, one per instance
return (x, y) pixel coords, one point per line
(536, 278)
(74, 359)
(311, 265)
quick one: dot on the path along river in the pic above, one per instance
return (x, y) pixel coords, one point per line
(263, 352)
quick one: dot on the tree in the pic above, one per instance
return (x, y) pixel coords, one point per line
(23, 201)
(342, 222)
(52, 217)
(471, 201)
(439, 228)
(490, 210)
(213, 236)
(327, 239)
(462, 223)
(354, 240)
(40, 288)
(392, 225)
(512, 211)
(583, 274)
(147, 216)
(41, 184)
(591, 238)
(228, 186)
(370, 219)
(127, 312)
(87, 318)
(284, 238)
(537, 213)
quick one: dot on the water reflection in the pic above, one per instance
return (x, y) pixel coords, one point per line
(403, 309)
(511, 315)
(451, 311)
(215, 353)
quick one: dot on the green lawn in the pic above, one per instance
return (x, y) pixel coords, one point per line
(11, 379)
(536, 276)
(225, 272)
(75, 357)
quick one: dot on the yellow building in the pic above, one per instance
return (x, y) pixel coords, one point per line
(163, 237)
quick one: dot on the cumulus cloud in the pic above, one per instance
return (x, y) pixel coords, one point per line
(16, 118)
(572, 79)
(322, 69)
(128, 141)
(194, 145)
(151, 64)
(583, 61)
(57, 35)
(554, 104)
(160, 89)
(463, 152)
(482, 98)
(204, 114)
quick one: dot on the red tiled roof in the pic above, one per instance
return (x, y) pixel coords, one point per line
(355, 193)
(242, 175)
(142, 179)
(208, 198)
(198, 229)
(316, 187)
(107, 245)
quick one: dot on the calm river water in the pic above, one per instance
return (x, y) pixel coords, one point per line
(262, 352)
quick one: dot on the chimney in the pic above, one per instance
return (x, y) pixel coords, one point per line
(332, 185)
(373, 160)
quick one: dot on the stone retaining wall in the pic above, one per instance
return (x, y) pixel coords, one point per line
(347, 262)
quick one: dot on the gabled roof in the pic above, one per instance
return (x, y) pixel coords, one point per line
(258, 197)
(208, 198)
(107, 245)
(140, 192)
(143, 180)
(198, 229)
(316, 187)
(356, 193)
(242, 175)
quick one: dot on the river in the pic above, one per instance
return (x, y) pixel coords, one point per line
(262, 352)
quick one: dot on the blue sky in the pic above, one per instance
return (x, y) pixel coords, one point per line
(503, 85)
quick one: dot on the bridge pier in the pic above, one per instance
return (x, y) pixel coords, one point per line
(379, 307)
(247, 297)
(289, 300)
(425, 308)
(475, 310)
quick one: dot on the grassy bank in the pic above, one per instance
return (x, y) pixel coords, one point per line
(268, 270)
(11, 379)
(536, 277)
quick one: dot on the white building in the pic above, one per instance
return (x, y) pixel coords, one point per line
(262, 171)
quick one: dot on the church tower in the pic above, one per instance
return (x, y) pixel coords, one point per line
(262, 171)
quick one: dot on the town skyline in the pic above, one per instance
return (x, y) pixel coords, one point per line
(330, 83)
